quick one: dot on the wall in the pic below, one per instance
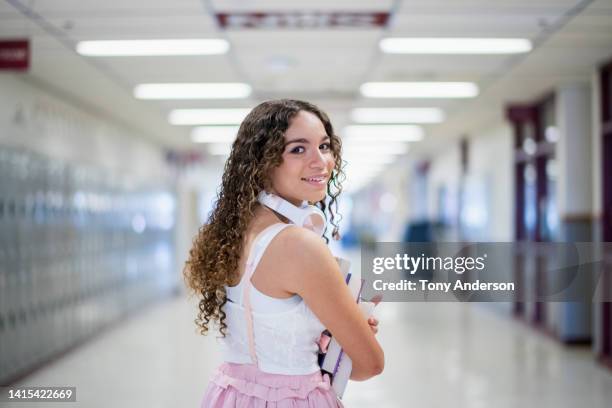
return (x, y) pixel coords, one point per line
(491, 162)
(487, 209)
(34, 118)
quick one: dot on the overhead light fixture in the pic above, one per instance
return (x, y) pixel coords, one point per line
(138, 48)
(382, 133)
(551, 134)
(219, 149)
(455, 45)
(397, 115)
(373, 149)
(214, 134)
(419, 90)
(207, 116)
(228, 90)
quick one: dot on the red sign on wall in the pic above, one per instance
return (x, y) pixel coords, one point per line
(302, 20)
(14, 55)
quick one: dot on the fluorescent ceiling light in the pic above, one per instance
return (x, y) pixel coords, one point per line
(382, 133)
(214, 134)
(419, 89)
(455, 45)
(129, 48)
(219, 149)
(354, 160)
(207, 116)
(397, 115)
(219, 90)
(374, 148)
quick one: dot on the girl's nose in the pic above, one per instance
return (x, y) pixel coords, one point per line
(318, 159)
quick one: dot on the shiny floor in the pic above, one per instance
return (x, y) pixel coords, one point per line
(437, 355)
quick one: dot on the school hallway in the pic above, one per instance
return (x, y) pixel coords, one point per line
(467, 128)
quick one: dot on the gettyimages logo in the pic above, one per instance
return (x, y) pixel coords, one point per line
(412, 264)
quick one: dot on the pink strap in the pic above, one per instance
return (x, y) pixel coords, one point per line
(252, 262)
(248, 311)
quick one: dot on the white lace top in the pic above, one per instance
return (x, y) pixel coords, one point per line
(285, 331)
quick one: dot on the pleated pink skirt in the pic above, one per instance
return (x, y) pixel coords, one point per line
(245, 386)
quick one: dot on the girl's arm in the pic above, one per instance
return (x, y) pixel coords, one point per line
(313, 273)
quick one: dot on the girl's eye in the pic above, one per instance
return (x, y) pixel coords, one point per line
(297, 149)
(325, 146)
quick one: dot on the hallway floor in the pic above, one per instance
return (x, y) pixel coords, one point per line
(437, 355)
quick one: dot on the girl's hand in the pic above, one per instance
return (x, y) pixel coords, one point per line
(373, 323)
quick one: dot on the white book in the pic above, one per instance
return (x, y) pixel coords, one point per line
(345, 365)
(334, 361)
(332, 354)
(334, 350)
(344, 264)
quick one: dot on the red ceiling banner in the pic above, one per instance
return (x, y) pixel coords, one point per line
(302, 20)
(14, 55)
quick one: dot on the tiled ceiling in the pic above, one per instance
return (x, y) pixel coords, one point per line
(325, 66)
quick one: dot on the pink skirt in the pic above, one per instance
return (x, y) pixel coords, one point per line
(245, 386)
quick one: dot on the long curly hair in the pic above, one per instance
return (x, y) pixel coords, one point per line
(257, 150)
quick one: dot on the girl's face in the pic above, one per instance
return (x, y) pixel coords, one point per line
(307, 161)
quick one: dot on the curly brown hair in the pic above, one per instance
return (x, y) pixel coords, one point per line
(257, 150)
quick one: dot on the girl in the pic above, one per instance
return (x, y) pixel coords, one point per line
(271, 286)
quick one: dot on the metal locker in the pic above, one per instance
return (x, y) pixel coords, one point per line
(70, 259)
(10, 362)
(37, 336)
(3, 266)
(3, 344)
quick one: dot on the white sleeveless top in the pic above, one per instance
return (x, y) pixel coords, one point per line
(284, 331)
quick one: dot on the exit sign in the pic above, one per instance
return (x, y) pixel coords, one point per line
(302, 20)
(14, 55)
